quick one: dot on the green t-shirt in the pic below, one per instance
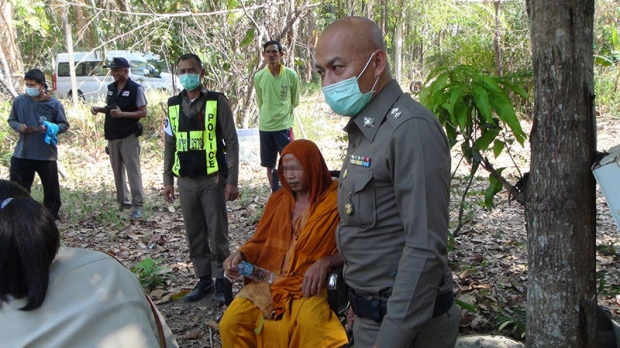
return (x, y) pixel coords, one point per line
(276, 96)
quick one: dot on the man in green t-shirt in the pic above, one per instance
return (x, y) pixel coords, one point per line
(277, 93)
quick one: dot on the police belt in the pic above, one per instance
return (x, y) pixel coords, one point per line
(376, 308)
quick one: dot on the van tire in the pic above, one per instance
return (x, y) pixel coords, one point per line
(81, 97)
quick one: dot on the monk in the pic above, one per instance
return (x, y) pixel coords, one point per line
(295, 239)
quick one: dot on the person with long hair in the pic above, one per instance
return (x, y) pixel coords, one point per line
(52, 296)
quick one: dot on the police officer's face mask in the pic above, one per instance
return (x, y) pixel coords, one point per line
(345, 97)
(190, 81)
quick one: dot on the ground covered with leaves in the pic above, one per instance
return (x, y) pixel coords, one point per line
(488, 257)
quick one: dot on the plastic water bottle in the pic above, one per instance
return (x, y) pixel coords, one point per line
(251, 271)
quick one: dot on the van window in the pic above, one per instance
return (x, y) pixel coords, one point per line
(137, 67)
(82, 69)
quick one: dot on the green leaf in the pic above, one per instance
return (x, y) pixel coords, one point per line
(515, 88)
(481, 97)
(462, 114)
(504, 324)
(602, 61)
(498, 147)
(494, 188)
(440, 83)
(455, 95)
(433, 74)
(466, 306)
(482, 143)
(489, 83)
(249, 37)
(451, 135)
(425, 96)
(506, 112)
(436, 100)
(467, 152)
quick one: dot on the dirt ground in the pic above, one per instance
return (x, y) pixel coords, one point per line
(488, 258)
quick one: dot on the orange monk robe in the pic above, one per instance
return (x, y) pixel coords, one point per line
(267, 249)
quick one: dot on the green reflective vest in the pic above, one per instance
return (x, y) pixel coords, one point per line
(196, 142)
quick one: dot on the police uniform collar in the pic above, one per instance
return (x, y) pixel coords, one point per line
(371, 117)
(203, 93)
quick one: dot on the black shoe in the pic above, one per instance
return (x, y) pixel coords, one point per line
(223, 291)
(204, 286)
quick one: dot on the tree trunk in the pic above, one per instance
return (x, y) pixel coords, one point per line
(498, 38)
(398, 51)
(369, 6)
(13, 70)
(560, 206)
(69, 43)
(384, 16)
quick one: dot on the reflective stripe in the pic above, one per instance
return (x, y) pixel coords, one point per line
(195, 140)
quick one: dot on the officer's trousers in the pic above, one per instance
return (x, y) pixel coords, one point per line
(439, 332)
(206, 223)
(125, 155)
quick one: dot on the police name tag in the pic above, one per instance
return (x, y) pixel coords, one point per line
(360, 161)
(125, 94)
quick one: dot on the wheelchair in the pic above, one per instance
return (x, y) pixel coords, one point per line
(337, 290)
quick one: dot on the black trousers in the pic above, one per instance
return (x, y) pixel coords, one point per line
(22, 172)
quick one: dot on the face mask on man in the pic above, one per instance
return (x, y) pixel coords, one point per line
(32, 91)
(190, 81)
(345, 97)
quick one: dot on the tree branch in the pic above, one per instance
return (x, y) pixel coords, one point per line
(518, 196)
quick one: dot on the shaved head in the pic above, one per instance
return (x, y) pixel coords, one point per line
(359, 32)
(353, 47)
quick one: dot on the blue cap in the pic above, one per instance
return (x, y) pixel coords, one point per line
(118, 62)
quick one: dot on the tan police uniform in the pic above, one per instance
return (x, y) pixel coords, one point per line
(393, 201)
(202, 197)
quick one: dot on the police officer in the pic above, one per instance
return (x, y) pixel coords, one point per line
(206, 171)
(393, 196)
(125, 106)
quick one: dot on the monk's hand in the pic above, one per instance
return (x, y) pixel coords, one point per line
(231, 263)
(231, 192)
(315, 278)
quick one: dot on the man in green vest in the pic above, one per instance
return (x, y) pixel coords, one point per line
(202, 151)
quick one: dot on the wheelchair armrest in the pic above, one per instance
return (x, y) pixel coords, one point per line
(332, 279)
(337, 292)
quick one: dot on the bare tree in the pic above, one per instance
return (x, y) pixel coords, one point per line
(10, 57)
(560, 196)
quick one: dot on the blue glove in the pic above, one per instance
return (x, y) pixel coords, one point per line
(50, 133)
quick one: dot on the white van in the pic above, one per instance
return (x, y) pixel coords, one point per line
(92, 78)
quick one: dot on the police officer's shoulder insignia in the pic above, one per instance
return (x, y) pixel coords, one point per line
(398, 114)
(110, 93)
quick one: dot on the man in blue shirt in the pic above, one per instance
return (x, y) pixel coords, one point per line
(33, 154)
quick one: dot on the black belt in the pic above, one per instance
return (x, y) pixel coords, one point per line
(376, 308)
